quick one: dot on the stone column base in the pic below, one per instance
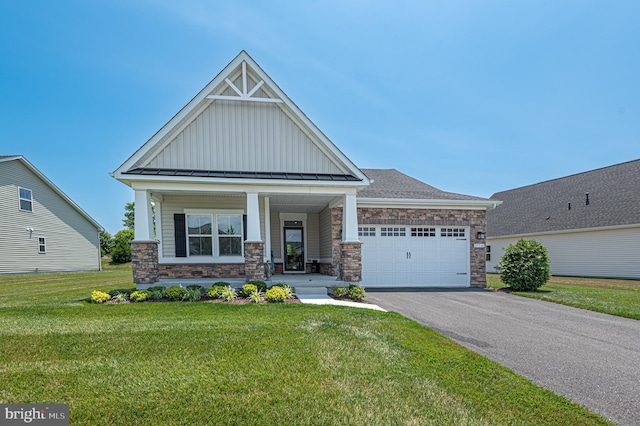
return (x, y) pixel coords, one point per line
(144, 261)
(351, 261)
(254, 260)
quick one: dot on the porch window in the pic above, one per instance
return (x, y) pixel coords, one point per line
(214, 234)
(230, 235)
(199, 234)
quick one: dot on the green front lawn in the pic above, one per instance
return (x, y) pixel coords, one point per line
(205, 363)
(609, 296)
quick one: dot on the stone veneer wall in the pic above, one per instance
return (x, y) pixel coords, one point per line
(254, 260)
(474, 219)
(144, 261)
(201, 270)
(351, 261)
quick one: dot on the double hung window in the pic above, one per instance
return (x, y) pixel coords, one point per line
(214, 234)
(25, 197)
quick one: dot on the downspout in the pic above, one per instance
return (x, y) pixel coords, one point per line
(99, 253)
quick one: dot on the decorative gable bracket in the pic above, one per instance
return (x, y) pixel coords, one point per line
(243, 94)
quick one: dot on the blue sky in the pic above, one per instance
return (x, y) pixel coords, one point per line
(472, 97)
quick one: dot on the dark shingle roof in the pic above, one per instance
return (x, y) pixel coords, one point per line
(614, 199)
(390, 183)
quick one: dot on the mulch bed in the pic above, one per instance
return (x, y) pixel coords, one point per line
(237, 301)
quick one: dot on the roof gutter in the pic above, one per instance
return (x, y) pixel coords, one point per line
(427, 203)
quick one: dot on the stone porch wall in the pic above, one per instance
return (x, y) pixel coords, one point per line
(474, 219)
(201, 270)
(254, 260)
(144, 261)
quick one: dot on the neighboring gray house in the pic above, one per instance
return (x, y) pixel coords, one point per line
(41, 229)
(589, 222)
(241, 172)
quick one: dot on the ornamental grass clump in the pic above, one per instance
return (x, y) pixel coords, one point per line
(525, 265)
(228, 294)
(193, 293)
(256, 297)
(157, 292)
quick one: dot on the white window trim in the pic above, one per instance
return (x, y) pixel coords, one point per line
(215, 249)
(20, 199)
(45, 245)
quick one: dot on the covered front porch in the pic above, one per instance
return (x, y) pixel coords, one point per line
(209, 233)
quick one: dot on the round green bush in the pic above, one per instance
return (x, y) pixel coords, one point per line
(356, 292)
(139, 296)
(525, 265)
(215, 291)
(249, 289)
(340, 291)
(275, 295)
(176, 293)
(262, 286)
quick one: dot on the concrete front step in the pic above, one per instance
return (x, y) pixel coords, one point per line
(310, 290)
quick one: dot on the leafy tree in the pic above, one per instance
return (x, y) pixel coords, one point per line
(129, 215)
(106, 242)
(121, 251)
(525, 265)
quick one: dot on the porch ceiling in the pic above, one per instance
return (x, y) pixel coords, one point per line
(300, 203)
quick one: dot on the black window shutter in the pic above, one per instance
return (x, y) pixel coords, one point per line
(180, 233)
(244, 227)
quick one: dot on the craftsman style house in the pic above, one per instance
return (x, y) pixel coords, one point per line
(241, 178)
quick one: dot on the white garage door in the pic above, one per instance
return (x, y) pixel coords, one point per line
(405, 256)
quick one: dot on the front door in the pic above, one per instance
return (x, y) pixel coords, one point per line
(293, 250)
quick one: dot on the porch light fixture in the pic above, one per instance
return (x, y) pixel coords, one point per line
(481, 235)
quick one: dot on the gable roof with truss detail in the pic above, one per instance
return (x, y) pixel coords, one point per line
(240, 126)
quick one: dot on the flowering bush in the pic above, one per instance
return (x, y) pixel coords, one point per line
(99, 296)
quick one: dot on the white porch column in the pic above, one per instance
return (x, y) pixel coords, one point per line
(253, 218)
(143, 223)
(267, 230)
(349, 219)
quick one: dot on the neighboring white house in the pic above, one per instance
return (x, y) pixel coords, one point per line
(589, 222)
(41, 229)
(241, 176)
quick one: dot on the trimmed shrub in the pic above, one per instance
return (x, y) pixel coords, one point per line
(340, 291)
(140, 296)
(176, 293)
(356, 292)
(275, 295)
(157, 292)
(249, 289)
(99, 296)
(525, 265)
(215, 291)
(262, 286)
(228, 293)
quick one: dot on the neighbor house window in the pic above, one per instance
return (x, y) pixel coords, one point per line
(230, 235)
(42, 245)
(26, 199)
(199, 235)
(214, 234)
(488, 254)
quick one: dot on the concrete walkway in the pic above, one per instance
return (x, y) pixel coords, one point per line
(318, 296)
(588, 357)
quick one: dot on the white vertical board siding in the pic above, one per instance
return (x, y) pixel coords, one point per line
(313, 237)
(611, 253)
(324, 225)
(72, 242)
(244, 136)
(178, 203)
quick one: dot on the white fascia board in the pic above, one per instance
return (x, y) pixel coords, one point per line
(56, 190)
(260, 187)
(140, 180)
(427, 204)
(565, 231)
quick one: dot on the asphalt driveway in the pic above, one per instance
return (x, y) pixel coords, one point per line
(590, 358)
